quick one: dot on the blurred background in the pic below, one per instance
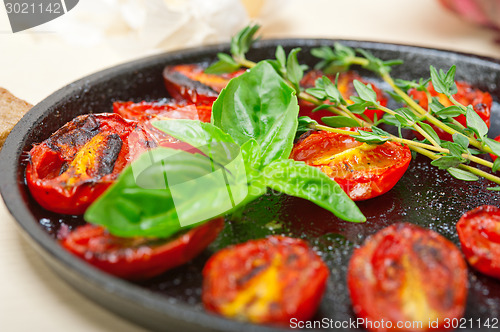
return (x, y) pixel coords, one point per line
(97, 34)
(101, 33)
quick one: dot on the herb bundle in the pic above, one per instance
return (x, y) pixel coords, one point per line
(456, 156)
(241, 153)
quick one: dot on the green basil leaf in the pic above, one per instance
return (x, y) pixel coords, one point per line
(260, 105)
(300, 180)
(493, 188)
(201, 135)
(475, 123)
(226, 64)
(251, 154)
(166, 191)
(462, 175)
(446, 162)
(339, 121)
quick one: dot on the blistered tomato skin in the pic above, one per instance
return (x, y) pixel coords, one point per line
(75, 165)
(363, 171)
(146, 113)
(405, 273)
(139, 258)
(265, 281)
(479, 233)
(466, 95)
(346, 88)
(190, 83)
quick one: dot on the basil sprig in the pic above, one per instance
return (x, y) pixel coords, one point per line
(241, 153)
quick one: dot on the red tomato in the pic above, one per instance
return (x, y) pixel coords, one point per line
(265, 281)
(346, 88)
(479, 233)
(190, 83)
(147, 112)
(405, 273)
(363, 171)
(138, 257)
(466, 95)
(74, 166)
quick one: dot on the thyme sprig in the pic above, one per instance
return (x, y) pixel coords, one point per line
(454, 156)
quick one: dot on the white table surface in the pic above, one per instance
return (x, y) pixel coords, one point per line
(33, 65)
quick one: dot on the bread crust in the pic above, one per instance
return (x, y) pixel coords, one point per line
(12, 110)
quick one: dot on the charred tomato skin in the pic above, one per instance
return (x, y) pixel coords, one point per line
(466, 95)
(189, 82)
(75, 165)
(146, 112)
(479, 234)
(139, 258)
(346, 88)
(265, 281)
(407, 273)
(363, 171)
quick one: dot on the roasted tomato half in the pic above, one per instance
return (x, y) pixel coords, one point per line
(71, 168)
(190, 83)
(466, 95)
(166, 109)
(139, 257)
(479, 233)
(146, 112)
(362, 170)
(407, 274)
(346, 88)
(265, 281)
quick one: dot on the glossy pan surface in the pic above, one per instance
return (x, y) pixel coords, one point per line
(424, 196)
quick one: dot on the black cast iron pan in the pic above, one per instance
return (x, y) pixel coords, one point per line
(424, 196)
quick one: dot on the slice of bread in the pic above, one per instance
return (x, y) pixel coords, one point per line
(12, 110)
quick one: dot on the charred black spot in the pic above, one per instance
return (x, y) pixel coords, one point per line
(428, 252)
(292, 258)
(64, 168)
(252, 273)
(304, 136)
(180, 79)
(75, 133)
(108, 156)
